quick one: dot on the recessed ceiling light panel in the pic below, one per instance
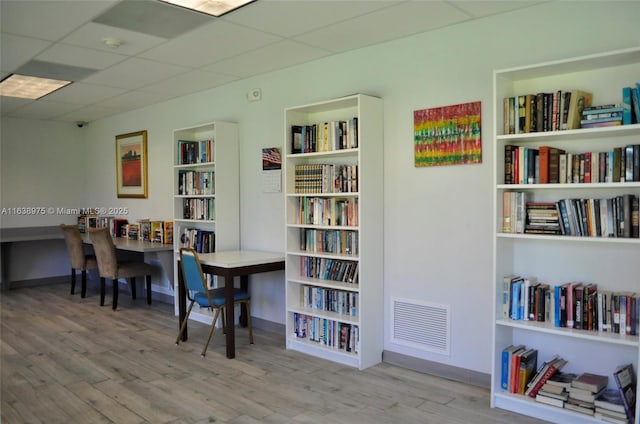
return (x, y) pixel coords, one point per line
(28, 87)
(210, 7)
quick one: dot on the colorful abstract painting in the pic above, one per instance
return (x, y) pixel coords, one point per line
(447, 135)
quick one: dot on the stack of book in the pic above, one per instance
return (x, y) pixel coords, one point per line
(584, 390)
(542, 218)
(610, 407)
(601, 116)
(544, 373)
(556, 390)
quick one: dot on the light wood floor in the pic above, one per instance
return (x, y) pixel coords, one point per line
(66, 360)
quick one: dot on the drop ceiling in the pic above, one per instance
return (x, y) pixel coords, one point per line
(167, 52)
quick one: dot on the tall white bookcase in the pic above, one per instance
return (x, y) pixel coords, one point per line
(332, 231)
(611, 263)
(206, 191)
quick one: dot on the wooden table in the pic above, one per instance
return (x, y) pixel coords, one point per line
(230, 264)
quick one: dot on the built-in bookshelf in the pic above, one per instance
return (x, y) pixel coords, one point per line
(334, 230)
(206, 193)
(606, 260)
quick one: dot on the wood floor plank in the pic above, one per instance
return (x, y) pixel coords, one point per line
(65, 359)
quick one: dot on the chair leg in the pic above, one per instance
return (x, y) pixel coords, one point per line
(213, 327)
(114, 302)
(83, 288)
(184, 322)
(102, 291)
(73, 281)
(148, 289)
(249, 323)
(133, 288)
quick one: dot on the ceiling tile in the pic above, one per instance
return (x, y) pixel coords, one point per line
(84, 94)
(134, 73)
(210, 43)
(274, 56)
(189, 82)
(17, 50)
(80, 56)
(479, 8)
(92, 34)
(133, 100)
(88, 114)
(33, 18)
(44, 109)
(390, 23)
(10, 104)
(152, 17)
(288, 18)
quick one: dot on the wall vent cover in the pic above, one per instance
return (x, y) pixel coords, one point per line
(421, 325)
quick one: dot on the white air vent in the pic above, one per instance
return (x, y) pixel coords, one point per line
(420, 325)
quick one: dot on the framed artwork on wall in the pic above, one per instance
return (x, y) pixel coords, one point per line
(447, 135)
(131, 165)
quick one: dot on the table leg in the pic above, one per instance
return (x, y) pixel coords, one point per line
(229, 306)
(244, 285)
(182, 303)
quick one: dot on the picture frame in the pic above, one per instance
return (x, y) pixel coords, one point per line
(131, 165)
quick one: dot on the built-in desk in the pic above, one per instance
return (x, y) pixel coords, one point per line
(8, 236)
(230, 264)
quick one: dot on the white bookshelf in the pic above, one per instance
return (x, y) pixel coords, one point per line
(611, 263)
(223, 169)
(367, 233)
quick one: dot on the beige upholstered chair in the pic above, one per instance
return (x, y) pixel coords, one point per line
(109, 266)
(79, 260)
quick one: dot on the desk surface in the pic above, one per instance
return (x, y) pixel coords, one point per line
(239, 258)
(12, 234)
(134, 245)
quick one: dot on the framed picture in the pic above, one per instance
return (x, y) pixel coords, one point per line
(447, 135)
(131, 164)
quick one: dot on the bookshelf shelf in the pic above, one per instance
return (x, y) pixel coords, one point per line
(218, 160)
(359, 163)
(608, 262)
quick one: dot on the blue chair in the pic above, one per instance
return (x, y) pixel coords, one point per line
(197, 292)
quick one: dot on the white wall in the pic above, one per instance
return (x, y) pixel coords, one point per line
(437, 220)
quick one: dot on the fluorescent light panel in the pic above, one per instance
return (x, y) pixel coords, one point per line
(28, 87)
(210, 7)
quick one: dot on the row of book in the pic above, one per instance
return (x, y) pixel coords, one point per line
(329, 269)
(567, 109)
(327, 211)
(588, 393)
(325, 137)
(330, 300)
(549, 165)
(199, 209)
(196, 182)
(571, 305)
(202, 241)
(330, 333)
(193, 152)
(340, 242)
(325, 178)
(551, 111)
(614, 217)
(143, 229)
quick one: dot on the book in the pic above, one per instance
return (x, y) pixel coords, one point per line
(625, 379)
(528, 365)
(507, 354)
(579, 100)
(541, 377)
(584, 395)
(627, 106)
(590, 381)
(635, 101)
(610, 399)
(561, 379)
(548, 400)
(578, 407)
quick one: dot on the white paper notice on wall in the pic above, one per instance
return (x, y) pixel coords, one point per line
(272, 181)
(271, 170)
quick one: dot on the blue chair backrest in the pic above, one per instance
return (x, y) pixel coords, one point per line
(191, 271)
